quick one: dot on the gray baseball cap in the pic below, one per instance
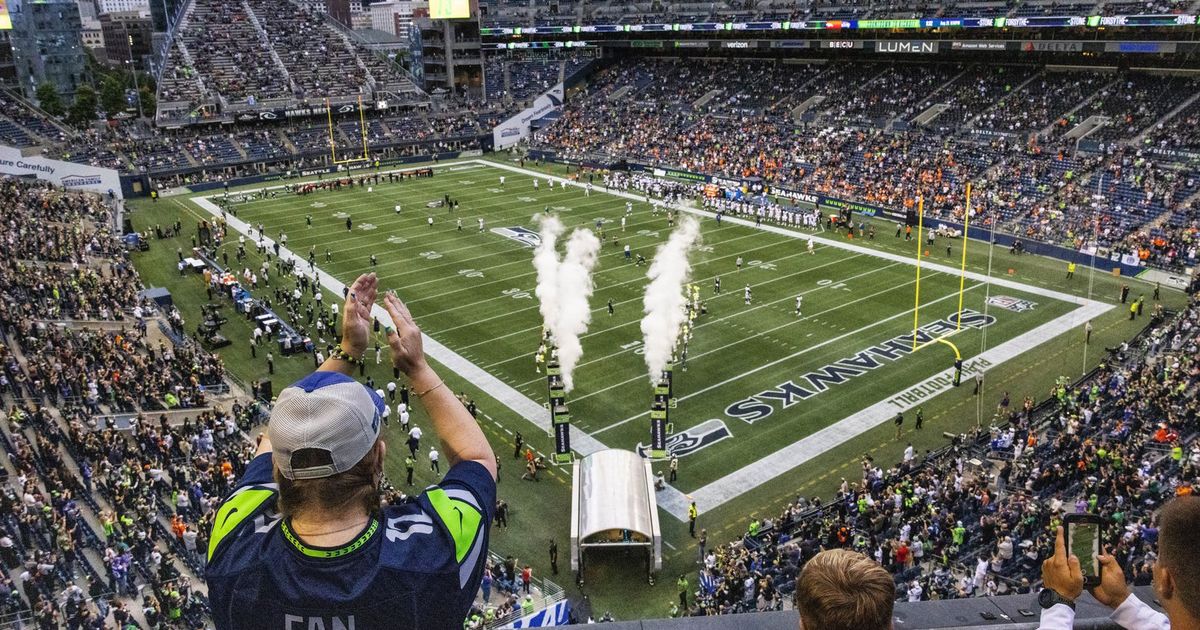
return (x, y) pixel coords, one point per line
(330, 414)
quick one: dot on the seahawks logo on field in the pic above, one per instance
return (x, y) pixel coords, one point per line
(1013, 304)
(700, 436)
(318, 204)
(397, 240)
(368, 226)
(524, 236)
(527, 199)
(341, 215)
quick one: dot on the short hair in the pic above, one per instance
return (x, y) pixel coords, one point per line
(841, 589)
(1179, 548)
(357, 488)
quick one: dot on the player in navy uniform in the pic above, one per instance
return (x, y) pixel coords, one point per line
(302, 541)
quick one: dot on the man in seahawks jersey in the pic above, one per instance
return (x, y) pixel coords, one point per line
(302, 541)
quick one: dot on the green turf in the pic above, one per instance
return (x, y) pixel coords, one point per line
(473, 293)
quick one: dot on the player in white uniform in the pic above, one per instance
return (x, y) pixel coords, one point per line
(501, 181)
(746, 295)
(799, 304)
(397, 208)
(811, 245)
(480, 225)
(535, 183)
(628, 208)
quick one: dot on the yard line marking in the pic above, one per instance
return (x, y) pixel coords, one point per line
(502, 211)
(706, 323)
(534, 307)
(770, 466)
(908, 260)
(503, 393)
(739, 326)
(744, 339)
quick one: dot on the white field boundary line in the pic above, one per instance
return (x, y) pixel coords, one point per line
(640, 278)
(505, 394)
(798, 353)
(801, 451)
(492, 211)
(697, 327)
(955, 271)
(741, 340)
(309, 179)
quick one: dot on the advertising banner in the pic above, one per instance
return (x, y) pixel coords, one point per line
(558, 614)
(65, 174)
(516, 129)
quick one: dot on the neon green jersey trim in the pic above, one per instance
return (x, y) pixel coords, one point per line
(460, 517)
(231, 514)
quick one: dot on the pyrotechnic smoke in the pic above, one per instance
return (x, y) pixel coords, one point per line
(545, 261)
(665, 302)
(564, 287)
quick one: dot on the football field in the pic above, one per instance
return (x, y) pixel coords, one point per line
(766, 389)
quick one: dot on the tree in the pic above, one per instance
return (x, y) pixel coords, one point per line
(48, 99)
(148, 103)
(83, 110)
(112, 95)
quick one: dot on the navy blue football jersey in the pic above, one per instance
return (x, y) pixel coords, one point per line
(418, 565)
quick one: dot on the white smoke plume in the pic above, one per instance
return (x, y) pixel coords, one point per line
(665, 302)
(563, 289)
(545, 261)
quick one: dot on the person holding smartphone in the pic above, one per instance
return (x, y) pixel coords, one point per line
(1176, 578)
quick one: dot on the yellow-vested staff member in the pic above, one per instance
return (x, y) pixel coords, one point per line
(302, 542)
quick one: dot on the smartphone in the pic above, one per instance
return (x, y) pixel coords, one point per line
(1084, 534)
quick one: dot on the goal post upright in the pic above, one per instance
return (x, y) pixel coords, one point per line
(917, 299)
(332, 143)
(962, 287)
(362, 127)
(962, 276)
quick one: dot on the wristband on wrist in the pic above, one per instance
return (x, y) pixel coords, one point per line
(341, 355)
(422, 394)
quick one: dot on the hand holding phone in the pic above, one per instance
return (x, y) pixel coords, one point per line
(1083, 538)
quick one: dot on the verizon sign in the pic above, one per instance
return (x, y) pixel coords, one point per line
(920, 48)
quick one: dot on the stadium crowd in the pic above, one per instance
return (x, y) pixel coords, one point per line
(100, 523)
(1034, 186)
(1118, 443)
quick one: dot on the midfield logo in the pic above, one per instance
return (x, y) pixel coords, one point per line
(524, 236)
(698, 437)
(1013, 304)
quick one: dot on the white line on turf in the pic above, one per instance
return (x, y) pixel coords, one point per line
(640, 278)
(496, 388)
(755, 336)
(1004, 282)
(770, 466)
